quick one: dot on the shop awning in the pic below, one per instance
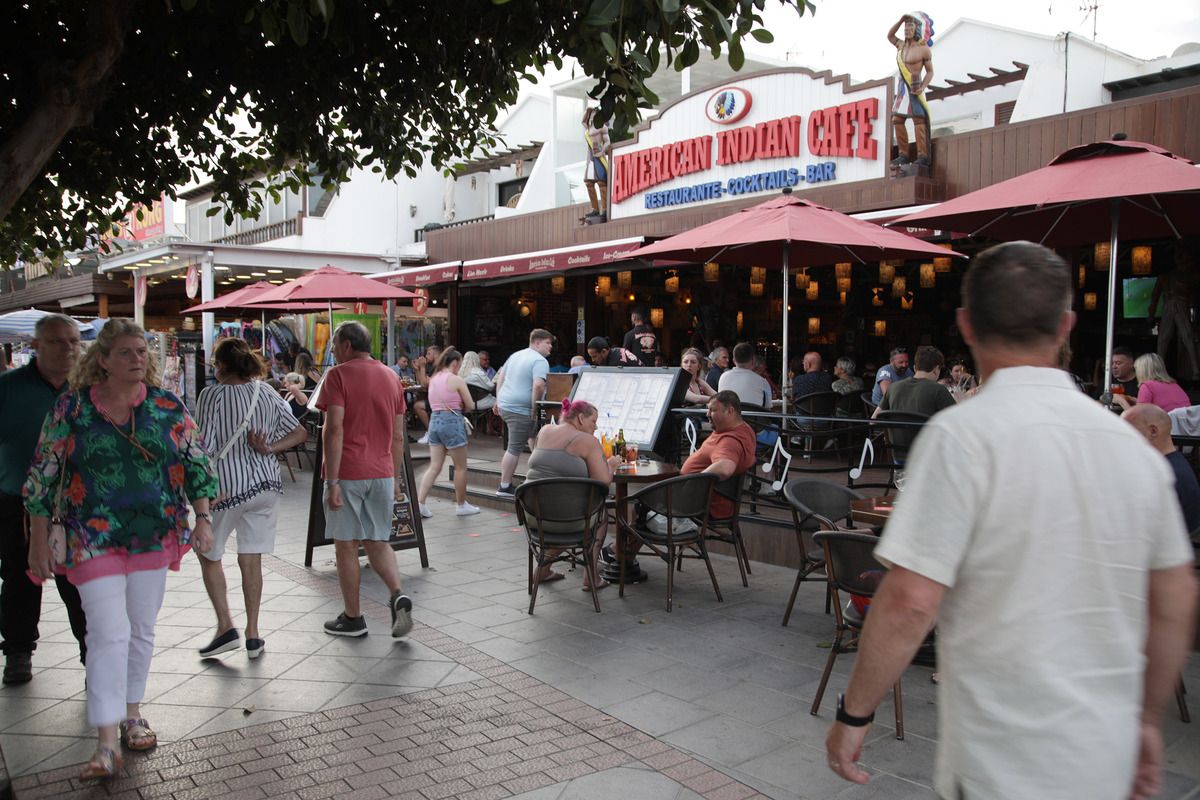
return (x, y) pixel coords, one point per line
(445, 272)
(594, 254)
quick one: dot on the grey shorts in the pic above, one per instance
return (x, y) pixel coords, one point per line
(366, 511)
(520, 428)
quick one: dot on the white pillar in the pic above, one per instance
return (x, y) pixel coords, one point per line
(206, 294)
(139, 308)
(391, 332)
(685, 81)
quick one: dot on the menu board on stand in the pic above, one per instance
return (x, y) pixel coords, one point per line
(636, 401)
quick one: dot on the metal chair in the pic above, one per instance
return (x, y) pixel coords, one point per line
(851, 567)
(561, 517)
(675, 498)
(729, 529)
(477, 415)
(816, 506)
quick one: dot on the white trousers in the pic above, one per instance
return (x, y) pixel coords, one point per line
(121, 610)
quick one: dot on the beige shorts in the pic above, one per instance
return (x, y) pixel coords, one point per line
(254, 521)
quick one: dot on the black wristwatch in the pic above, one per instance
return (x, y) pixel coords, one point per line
(847, 718)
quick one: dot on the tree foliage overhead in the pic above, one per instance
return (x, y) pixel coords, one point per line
(111, 102)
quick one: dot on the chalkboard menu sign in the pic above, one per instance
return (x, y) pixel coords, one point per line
(633, 399)
(407, 532)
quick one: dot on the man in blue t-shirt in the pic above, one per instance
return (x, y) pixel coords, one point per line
(1153, 423)
(519, 385)
(896, 369)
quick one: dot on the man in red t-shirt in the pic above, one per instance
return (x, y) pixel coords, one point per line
(364, 443)
(729, 449)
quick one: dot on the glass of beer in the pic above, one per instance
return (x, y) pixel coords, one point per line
(631, 453)
(1117, 388)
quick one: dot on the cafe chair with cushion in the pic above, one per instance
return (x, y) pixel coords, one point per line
(675, 499)
(816, 506)
(561, 517)
(729, 529)
(850, 567)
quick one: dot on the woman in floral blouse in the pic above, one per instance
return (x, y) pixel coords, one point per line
(126, 458)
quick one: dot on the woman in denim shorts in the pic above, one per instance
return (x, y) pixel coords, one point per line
(448, 398)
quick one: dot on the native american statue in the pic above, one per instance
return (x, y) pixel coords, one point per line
(915, 63)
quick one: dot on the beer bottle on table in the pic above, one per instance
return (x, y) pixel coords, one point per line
(619, 444)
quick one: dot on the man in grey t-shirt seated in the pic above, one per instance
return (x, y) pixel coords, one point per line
(750, 387)
(896, 369)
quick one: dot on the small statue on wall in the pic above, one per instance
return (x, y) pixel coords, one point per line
(914, 60)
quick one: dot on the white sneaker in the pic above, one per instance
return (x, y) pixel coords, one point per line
(424, 439)
(425, 512)
(466, 510)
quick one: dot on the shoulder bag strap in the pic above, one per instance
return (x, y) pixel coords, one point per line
(245, 422)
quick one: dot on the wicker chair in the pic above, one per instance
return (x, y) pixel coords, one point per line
(816, 506)
(561, 517)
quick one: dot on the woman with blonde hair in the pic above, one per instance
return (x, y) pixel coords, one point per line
(1156, 386)
(698, 391)
(306, 369)
(473, 375)
(119, 460)
(245, 424)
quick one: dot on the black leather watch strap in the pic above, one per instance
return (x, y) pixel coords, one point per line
(849, 719)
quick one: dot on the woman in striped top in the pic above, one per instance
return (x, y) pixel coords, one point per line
(244, 424)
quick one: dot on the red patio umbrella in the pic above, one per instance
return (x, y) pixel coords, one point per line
(1106, 190)
(330, 283)
(788, 229)
(241, 299)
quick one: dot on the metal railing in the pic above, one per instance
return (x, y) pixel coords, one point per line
(263, 234)
(419, 233)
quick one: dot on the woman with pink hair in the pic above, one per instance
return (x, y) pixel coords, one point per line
(571, 450)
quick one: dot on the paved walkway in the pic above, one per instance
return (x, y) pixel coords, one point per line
(482, 700)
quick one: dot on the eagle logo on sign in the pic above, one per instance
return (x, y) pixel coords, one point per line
(727, 105)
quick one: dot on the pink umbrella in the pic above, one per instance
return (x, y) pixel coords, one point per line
(330, 283)
(241, 299)
(784, 229)
(1105, 190)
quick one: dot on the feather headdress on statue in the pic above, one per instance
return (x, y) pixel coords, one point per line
(924, 26)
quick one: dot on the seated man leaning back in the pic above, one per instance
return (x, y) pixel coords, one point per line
(729, 449)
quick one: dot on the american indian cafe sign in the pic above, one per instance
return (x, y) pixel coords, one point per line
(789, 127)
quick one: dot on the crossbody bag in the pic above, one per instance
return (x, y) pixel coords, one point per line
(241, 429)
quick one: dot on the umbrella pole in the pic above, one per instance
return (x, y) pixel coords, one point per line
(785, 387)
(1115, 217)
(264, 333)
(329, 345)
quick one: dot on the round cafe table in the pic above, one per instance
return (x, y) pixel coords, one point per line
(647, 472)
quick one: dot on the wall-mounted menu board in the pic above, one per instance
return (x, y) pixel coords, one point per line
(633, 399)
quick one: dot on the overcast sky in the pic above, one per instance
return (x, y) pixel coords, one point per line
(848, 35)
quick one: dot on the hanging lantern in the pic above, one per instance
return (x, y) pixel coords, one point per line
(756, 290)
(1100, 255)
(941, 264)
(928, 281)
(877, 296)
(906, 302)
(814, 326)
(686, 296)
(740, 320)
(712, 272)
(1082, 275)
(802, 279)
(656, 317)
(558, 284)
(899, 286)
(843, 285)
(813, 290)
(1141, 260)
(842, 298)
(887, 271)
(758, 274)
(881, 327)
(604, 282)
(1089, 301)
(842, 270)
(632, 297)
(625, 279)
(672, 284)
